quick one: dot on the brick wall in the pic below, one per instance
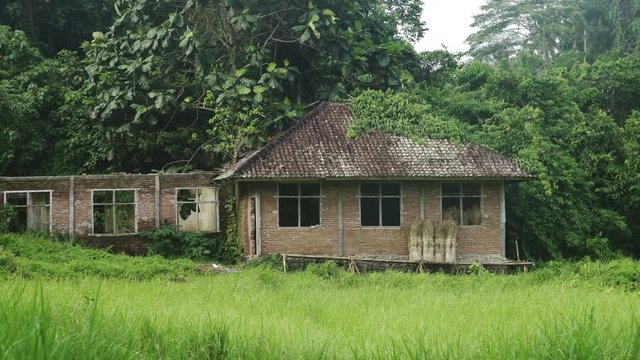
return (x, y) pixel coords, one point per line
(320, 240)
(59, 198)
(363, 241)
(145, 186)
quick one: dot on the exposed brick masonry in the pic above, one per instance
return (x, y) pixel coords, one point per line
(145, 186)
(362, 241)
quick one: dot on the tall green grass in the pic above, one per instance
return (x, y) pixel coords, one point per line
(263, 313)
(39, 256)
(589, 310)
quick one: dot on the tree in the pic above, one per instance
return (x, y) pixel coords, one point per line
(55, 25)
(563, 31)
(627, 25)
(45, 128)
(165, 67)
(508, 27)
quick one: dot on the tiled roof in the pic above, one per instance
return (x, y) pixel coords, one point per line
(317, 147)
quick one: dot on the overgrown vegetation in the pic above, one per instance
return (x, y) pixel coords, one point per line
(7, 217)
(584, 311)
(40, 256)
(232, 246)
(170, 242)
(186, 84)
(557, 125)
(99, 305)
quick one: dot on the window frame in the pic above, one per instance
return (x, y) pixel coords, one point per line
(135, 206)
(461, 198)
(216, 202)
(28, 192)
(380, 197)
(299, 197)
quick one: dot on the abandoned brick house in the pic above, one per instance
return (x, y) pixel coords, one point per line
(310, 191)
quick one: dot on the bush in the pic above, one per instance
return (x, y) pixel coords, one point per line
(325, 270)
(272, 261)
(169, 242)
(620, 273)
(476, 268)
(7, 217)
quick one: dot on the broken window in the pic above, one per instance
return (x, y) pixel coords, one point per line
(298, 204)
(197, 209)
(32, 208)
(114, 212)
(462, 203)
(380, 204)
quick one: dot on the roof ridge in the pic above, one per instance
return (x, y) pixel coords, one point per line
(278, 138)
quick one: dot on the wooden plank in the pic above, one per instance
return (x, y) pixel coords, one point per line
(399, 261)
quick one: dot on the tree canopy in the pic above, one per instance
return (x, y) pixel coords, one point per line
(235, 72)
(546, 30)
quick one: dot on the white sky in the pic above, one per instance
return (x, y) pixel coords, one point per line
(449, 23)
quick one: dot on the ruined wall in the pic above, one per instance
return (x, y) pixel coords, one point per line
(72, 203)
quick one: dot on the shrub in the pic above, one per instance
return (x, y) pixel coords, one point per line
(476, 268)
(620, 273)
(169, 242)
(325, 270)
(271, 261)
(7, 217)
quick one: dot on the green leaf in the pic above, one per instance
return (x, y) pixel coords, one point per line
(228, 84)
(160, 102)
(312, 26)
(140, 110)
(384, 60)
(365, 78)
(243, 90)
(98, 36)
(259, 89)
(328, 12)
(240, 72)
(344, 70)
(357, 25)
(305, 36)
(271, 67)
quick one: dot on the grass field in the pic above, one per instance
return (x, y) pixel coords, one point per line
(587, 310)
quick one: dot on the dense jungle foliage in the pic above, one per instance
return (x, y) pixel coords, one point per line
(101, 86)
